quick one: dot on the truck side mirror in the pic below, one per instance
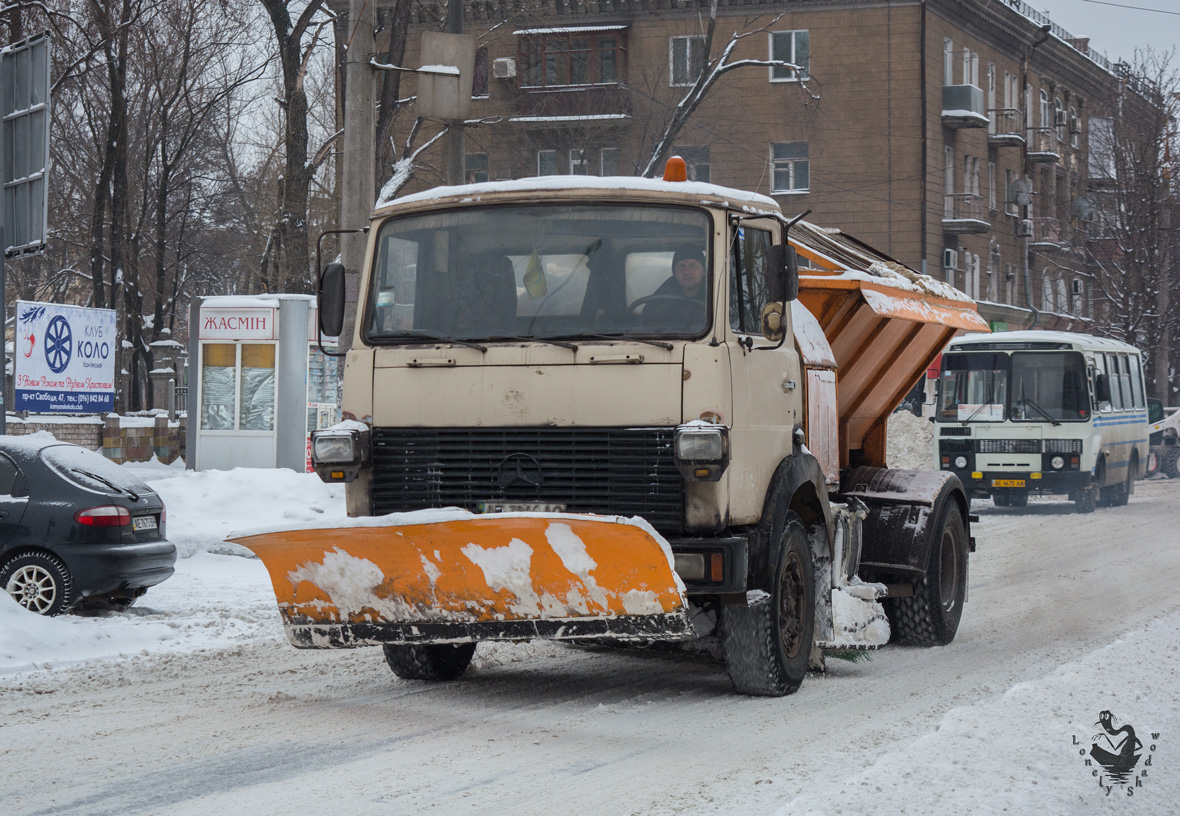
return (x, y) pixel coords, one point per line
(1155, 411)
(1102, 388)
(783, 280)
(331, 300)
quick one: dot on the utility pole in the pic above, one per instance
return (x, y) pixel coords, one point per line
(456, 139)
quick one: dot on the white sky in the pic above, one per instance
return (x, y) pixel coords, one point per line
(1118, 27)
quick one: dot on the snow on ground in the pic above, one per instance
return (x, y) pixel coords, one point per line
(1001, 750)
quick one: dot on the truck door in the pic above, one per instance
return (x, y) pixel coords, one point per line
(767, 382)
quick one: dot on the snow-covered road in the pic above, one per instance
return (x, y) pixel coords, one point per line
(196, 704)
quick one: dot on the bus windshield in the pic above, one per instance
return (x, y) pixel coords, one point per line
(1041, 386)
(1049, 386)
(559, 272)
(973, 387)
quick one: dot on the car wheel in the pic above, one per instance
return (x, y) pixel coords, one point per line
(39, 582)
(423, 661)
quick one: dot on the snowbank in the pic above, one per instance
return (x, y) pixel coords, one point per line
(910, 442)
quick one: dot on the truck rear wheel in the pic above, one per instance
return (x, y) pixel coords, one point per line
(1169, 460)
(445, 661)
(767, 642)
(930, 617)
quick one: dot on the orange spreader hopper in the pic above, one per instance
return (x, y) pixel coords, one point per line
(494, 577)
(884, 331)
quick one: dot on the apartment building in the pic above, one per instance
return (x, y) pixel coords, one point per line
(950, 134)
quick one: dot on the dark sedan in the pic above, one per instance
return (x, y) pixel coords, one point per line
(75, 527)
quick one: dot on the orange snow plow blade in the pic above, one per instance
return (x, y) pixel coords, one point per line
(494, 577)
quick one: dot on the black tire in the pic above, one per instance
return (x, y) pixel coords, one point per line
(930, 617)
(39, 582)
(1087, 500)
(767, 645)
(445, 661)
(1018, 498)
(1169, 461)
(1001, 498)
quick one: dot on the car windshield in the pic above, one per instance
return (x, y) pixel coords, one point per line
(93, 471)
(973, 387)
(1049, 386)
(559, 272)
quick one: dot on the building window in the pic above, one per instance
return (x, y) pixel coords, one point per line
(477, 167)
(697, 160)
(793, 47)
(991, 186)
(546, 162)
(688, 59)
(1075, 126)
(948, 62)
(1059, 119)
(610, 161)
(479, 79)
(1046, 110)
(578, 164)
(790, 167)
(576, 58)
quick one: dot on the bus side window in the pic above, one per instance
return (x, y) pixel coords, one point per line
(1137, 382)
(1112, 375)
(1125, 381)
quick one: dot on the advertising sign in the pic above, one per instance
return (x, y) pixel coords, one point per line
(64, 361)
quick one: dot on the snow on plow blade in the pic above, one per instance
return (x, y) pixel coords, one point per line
(470, 578)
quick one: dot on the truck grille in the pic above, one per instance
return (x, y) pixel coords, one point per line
(623, 471)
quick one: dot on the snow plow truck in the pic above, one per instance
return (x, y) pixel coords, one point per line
(626, 410)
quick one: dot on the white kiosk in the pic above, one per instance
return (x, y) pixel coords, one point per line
(260, 384)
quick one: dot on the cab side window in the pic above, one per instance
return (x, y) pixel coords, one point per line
(748, 292)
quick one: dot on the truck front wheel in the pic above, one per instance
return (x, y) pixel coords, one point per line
(445, 661)
(930, 617)
(767, 641)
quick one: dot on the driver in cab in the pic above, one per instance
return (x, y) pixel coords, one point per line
(680, 302)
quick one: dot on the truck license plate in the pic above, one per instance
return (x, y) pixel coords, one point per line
(520, 507)
(1007, 482)
(139, 523)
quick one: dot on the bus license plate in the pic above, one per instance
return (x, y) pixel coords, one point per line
(1007, 482)
(139, 523)
(520, 507)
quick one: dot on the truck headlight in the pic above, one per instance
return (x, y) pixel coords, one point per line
(702, 452)
(338, 453)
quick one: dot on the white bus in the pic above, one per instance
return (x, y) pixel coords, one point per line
(1042, 412)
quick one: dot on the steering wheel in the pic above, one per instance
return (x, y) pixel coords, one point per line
(699, 304)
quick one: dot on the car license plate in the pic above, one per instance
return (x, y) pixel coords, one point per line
(1007, 482)
(139, 523)
(520, 507)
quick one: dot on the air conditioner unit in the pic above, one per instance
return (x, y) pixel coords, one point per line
(504, 68)
(950, 259)
(1025, 228)
(1075, 125)
(1059, 118)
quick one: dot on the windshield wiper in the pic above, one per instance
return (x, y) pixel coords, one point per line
(658, 343)
(526, 339)
(990, 400)
(434, 338)
(117, 488)
(1039, 410)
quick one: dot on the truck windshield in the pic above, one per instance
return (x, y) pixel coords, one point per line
(973, 387)
(520, 272)
(1049, 386)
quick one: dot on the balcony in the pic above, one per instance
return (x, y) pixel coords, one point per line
(963, 215)
(1043, 147)
(962, 107)
(573, 105)
(1049, 235)
(1006, 128)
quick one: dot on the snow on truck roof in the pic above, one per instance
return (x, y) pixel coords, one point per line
(1084, 341)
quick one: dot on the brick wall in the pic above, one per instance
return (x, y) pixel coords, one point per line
(121, 439)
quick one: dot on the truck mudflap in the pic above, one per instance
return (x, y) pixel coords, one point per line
(455, 577)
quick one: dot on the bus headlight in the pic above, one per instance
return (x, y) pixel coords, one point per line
(1058, 462)
(960, 462)
(702, 452)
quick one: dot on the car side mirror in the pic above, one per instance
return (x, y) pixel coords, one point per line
(1102, 388)
(783, 280)
(331, 300)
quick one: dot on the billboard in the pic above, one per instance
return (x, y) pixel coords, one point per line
(24, 144)
(64, 361)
